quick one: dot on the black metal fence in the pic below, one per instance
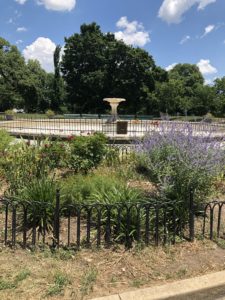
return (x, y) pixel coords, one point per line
(31, 223)
(65, 127)
(214, 220)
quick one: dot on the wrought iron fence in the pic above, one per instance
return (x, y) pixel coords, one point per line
(31, 223)
(214, 220)
(64, 127)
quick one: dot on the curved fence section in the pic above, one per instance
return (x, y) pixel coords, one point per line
(32, 223)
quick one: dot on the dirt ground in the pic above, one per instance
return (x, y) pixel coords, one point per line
(87, 274)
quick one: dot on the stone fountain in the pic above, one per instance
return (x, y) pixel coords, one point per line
(114, 103)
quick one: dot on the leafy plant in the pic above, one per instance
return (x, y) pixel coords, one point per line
(86, 153)
(39, 194)
(5, 141)
(25, 161)
(80, 189)
(54, 153)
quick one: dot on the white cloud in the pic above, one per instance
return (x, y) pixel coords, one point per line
(172, 11)
(209, 81)
(205, 67)
(42, 49)
(185, 39)
(21, 29)
(58, 5)
(21, 1)
(170, 67)
(19, 42)
(208, 29)
(132, 33)
(204, 3)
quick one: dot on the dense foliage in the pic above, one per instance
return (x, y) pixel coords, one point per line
(95, 65)
(172, 159)
(180, 163)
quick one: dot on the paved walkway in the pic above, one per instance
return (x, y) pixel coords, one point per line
(207, 287)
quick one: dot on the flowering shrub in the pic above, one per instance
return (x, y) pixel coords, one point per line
(54, 153)
(178, 161)
(87, 152)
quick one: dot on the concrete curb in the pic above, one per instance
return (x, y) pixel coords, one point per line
(188, 287)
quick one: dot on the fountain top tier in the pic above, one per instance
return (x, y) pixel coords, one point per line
(114, 100)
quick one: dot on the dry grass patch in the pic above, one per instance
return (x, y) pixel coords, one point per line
(87, 274)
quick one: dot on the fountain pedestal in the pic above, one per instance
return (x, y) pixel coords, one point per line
(113, 102)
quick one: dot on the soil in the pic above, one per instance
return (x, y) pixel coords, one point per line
(92, 273)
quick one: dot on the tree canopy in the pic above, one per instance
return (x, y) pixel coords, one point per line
(95, 65)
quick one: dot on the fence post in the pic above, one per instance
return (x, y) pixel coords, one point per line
(56, 220)
(191, 216)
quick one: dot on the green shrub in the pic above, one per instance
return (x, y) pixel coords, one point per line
(5, 141)
(116, 194)
(40, 194)
(50, 113)
(86, 153)
(9, 112)
(112, 156)
(108, 190)
(54, 153)
(23, 162)
(80, 189)
(179, 163)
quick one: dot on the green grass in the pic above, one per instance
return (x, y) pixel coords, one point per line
(22, 275)
(87, 281)
(220, 243)
(181, 273)
(7, 285)
(60, 282)
(34, 116)
(137, 283)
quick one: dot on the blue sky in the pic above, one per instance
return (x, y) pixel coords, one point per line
(173, 31)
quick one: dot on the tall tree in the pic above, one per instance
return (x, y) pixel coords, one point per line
(219, 97)
(37, 88)
(96, 65)
(12, 70)
(58, 82)
(191, 78)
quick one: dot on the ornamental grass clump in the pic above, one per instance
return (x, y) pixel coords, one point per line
(179, 160)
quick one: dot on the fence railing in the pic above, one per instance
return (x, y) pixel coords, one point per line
(214, 220)
(133, 128)
(30, 223)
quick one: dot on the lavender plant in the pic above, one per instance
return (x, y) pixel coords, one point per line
(178, 159)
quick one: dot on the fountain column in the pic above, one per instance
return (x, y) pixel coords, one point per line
(114, 102)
